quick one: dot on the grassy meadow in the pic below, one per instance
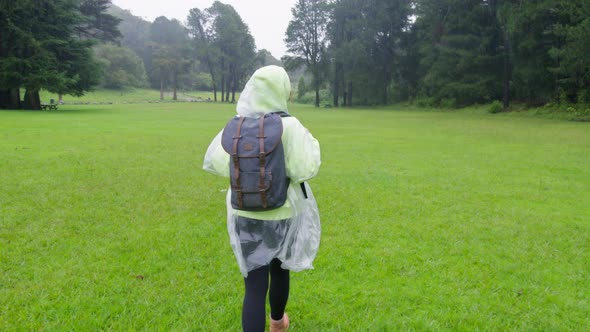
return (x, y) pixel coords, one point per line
(431, 221)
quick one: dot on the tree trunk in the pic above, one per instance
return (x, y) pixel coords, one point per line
(15, 98)
(10, 99)
(60, 99)
(161, 88)
(316, 86)
(227, 88)
(212, 80)
(5, 99)
(507, 72)
(32, 100)
(175, 87)
(233, 89)
(222, 88)
(349, 101)
(222, 83)
(317, 97)
(336, 84)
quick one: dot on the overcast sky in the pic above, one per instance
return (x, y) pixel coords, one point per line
(267, 19)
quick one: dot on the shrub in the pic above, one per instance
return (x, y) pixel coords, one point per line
(448, 103)
(309, 97)
(301, 88)
(425, 102)
(495, 107)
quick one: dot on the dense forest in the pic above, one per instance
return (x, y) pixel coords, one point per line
(444, 53)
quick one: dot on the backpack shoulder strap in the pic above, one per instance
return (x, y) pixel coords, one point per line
(236, 160)
(283, 114)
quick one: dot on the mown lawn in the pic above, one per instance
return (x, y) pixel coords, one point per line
(432, 221)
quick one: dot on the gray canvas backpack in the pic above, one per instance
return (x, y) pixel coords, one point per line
(258, 176)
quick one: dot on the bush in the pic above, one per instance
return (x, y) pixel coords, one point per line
(583, 96)
(425, 102)
(495, 107)
(448, 103)
(301, 88)
(309, 97)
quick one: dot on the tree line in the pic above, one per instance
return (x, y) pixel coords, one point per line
(212, 50)
(69, 46)
(443, 52)
(356, 52)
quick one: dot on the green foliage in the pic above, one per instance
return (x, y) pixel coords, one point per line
(460, 222)
(98, 24)
(458, 48)
(223, 43)
(201, 81)
(48, 46)
(301, 88)
(495, 107)
(121, 67)
(135, 35)
(170, 53)
(365, 48)
(569, 52)
(448, 103)
(310, 98)
(306, 39)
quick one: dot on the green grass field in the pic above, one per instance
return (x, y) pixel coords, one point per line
(432, 221)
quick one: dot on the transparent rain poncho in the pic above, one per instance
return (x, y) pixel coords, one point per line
(290, 233)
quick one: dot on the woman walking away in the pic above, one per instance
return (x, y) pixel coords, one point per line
(272, 216)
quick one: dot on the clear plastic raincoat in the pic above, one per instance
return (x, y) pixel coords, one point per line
(290, 233)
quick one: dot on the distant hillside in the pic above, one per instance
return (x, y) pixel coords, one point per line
(135, 30)
(266, 59)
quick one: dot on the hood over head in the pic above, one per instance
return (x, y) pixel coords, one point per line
(266, 91)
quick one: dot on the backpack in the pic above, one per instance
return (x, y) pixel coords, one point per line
(258, 176)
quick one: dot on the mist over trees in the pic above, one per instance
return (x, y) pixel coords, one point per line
(212, 50)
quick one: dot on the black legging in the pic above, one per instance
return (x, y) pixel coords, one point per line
(254, 309)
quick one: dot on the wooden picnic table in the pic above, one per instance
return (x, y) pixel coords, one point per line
(49, 107)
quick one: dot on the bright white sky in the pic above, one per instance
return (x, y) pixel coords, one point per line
(267, 19)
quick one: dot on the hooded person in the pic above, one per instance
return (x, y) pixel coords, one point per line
(286, 238)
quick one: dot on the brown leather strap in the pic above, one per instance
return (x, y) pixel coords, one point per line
(236, 159)
(262, 159)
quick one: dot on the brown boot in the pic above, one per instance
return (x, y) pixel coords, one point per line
(279, 325)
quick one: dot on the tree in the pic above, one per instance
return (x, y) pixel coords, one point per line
(41, 49)
(223, 42)
(198, 22)
(170, 53)
(265, 58)
(121, 67)
(301, 88)
(306, 38)
(365, 52)
(459, 52)
(571, 54)
(135, 35)
(97, 24)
